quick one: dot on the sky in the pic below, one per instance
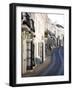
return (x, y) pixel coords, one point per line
(58, 18)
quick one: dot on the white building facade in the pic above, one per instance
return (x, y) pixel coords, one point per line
(57, 30)
(39, 42)
(33, 42)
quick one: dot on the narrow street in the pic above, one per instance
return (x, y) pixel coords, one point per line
(42, 45)
(57, 65)
(52, 66)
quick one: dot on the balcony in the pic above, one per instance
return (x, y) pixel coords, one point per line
(26, 20)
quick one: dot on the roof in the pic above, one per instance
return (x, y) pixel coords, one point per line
(60, 26)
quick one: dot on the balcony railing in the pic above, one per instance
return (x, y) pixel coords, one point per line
(32, 25)
(26, 20)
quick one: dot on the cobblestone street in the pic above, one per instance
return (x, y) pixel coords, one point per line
(54, 65)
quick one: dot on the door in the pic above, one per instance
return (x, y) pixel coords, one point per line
(24, 57)
(23, 53)
(40, 51)
(29, 55)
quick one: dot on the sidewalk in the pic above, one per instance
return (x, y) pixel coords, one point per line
(38, 69)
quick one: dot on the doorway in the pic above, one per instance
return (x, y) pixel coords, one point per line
(27, 53)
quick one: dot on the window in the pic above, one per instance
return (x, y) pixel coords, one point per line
(40, 51)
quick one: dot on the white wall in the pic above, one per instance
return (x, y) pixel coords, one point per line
(40, 27)
(4, 45)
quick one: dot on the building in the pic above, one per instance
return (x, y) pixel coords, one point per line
(56, 32)
(27, 35)
(39, 42)
(33, 26)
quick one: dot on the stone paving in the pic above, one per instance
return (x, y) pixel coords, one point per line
(38, 68)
